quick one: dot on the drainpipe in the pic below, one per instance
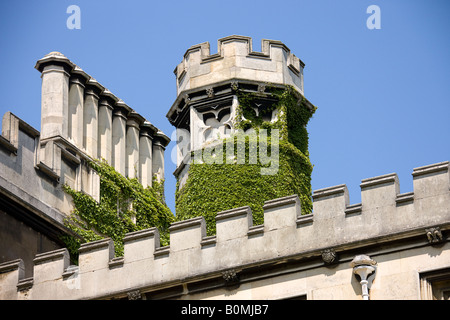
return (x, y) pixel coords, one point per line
(364, 266)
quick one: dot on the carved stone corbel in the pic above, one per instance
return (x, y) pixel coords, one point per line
(210, 92)
(186, 99)
(261, 88)
(234, 85)
(329, 256)
(434, 235)
(135, 295)
(231, 277)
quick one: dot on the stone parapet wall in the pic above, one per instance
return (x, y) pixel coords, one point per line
(235, 59)
(25, 178)
(384, 215)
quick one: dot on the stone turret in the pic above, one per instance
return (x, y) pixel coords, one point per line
(207, 83)
(238, 90)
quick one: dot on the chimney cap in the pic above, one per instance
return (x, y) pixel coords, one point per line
(54, 57)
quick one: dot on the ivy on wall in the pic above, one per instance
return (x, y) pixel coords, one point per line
(211, 188)
(124, 206)
(292, 117)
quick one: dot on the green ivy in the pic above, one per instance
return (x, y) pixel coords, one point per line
(124, 206)
(292, 118)
(211, 188)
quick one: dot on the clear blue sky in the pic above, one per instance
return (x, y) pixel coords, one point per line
(382, 95)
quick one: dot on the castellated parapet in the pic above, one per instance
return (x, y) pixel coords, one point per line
(240, 252)
(235, 59)
(208, 81)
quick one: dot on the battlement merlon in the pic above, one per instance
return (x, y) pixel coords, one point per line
(383, 217)
(236, 59)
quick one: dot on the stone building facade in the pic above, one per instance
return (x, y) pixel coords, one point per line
(389, 246)
(80, 120)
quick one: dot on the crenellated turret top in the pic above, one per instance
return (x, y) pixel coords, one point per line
(236, 59)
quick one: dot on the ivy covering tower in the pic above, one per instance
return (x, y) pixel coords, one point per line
(241, 120)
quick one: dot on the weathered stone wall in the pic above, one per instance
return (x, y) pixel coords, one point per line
(19, 240)
(394, 229)
(23, 176)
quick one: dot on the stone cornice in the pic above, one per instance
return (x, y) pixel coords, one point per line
(222, 89)
(433, 168)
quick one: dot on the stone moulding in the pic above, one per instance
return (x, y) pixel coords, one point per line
(404, 197)
(238, 244)
(432, 168)
(116, 262)
(227, 214)
(162, 251)
(8, 145)
(255, 230)
(12, 265)
(305, 219)
(380, 180)
(9, 138)
(11, 125)
(49, 256)
(179, 225)
(24, 284)
(132, 236)
(209, 240)
(270, 204)
(94, 245)
(330, 191)
(49, 172)
(353, 209)
(70, 271)
(67, 155)
(224, 91)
